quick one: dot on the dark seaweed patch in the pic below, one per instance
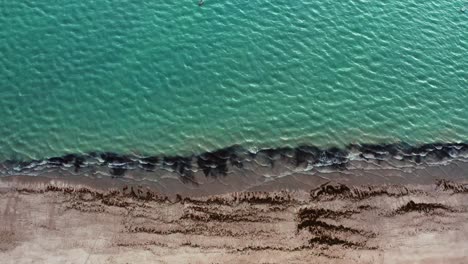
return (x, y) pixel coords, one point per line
(262, 198)
(411, 206)
(333, 241)
(330, 191)
(446, 185)
(326, 234)
(203, 214)
(315, 213)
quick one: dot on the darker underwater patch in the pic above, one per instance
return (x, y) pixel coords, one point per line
(222, 161)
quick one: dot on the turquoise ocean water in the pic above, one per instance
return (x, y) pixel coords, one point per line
(170, 77)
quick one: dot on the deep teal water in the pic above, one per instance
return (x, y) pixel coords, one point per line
(169, 77)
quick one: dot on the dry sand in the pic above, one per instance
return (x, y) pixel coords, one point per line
(58, 221)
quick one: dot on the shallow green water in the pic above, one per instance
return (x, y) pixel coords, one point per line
(169, 77)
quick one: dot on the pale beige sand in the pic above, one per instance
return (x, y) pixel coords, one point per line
(50, 221)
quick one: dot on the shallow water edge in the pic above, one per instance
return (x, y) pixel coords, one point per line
(235, 168)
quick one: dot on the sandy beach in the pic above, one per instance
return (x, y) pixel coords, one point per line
(77, 221)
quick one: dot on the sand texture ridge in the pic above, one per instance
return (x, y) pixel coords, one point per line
(58, 222)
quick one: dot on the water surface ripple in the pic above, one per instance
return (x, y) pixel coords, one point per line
(171, 78)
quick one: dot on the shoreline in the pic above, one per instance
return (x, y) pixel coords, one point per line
(218, 162)
(255, 178)
(236, 169)
(269, 210)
